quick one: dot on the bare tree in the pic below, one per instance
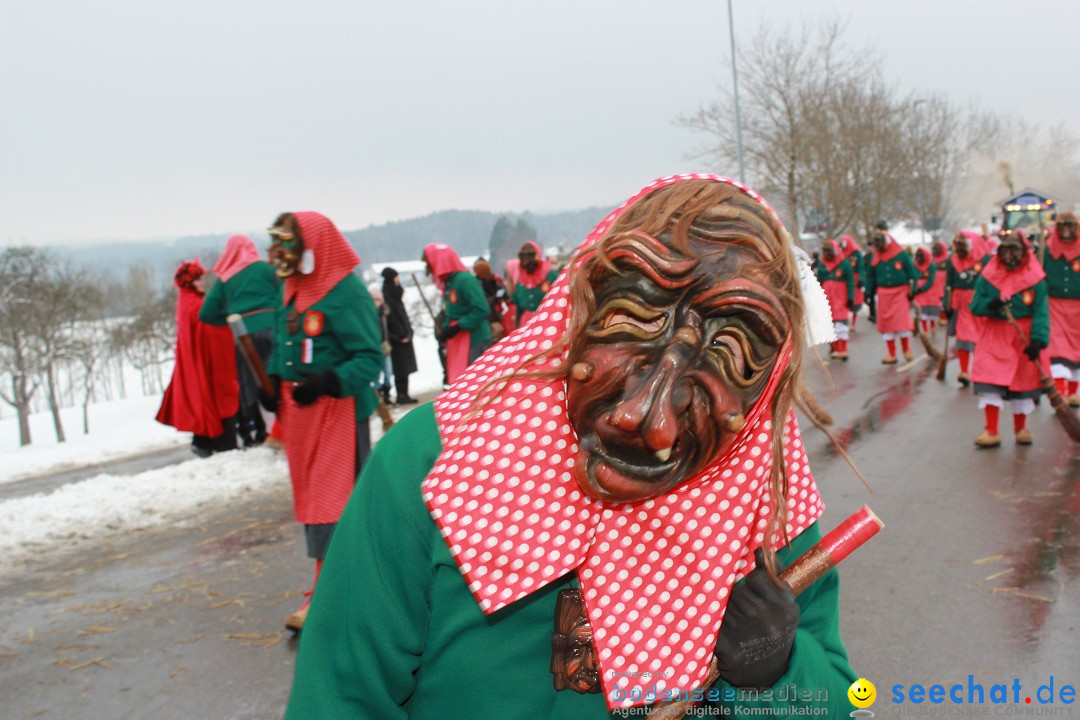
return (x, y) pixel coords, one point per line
(788, 84)
(24, 272)
(147, 335)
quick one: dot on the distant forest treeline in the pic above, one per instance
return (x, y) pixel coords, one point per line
(467, 231)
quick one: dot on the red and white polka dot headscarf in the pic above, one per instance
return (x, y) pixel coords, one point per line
(656, 573)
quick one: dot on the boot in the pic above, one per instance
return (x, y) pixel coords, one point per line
(1023, 437)
(964, 379)
(888, 360)
(385, 392)
(986, 440)
(1073, 400)
(908, 355)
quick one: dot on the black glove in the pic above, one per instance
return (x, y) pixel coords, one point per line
(445, 333)
(758, 631)
(269, 402)
(996, 304)
(851, 306)
(315, 385)
(1033, 349)
(949, 312)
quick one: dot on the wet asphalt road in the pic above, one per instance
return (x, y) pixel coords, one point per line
(976, 573)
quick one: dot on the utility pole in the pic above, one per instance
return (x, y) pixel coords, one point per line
(735, 80)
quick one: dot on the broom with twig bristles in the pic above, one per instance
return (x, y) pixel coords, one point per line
(927, 343)
(1065, 415)
(944, 357)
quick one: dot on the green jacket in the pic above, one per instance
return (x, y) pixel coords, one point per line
(927, 279)
(1037, 307)
(962, 280)
(254, 292)
(527, 299)
(345, 336)
(900, 270)
(1062, 277)
(395, 633)
(464, 301)
(841, 273)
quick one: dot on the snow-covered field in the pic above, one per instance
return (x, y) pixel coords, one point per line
(80, 514)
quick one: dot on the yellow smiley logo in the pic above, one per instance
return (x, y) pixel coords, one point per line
(862, 693)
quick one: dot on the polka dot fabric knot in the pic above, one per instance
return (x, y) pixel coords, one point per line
(655, 574)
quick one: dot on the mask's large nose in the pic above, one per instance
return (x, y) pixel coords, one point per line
(653, 408)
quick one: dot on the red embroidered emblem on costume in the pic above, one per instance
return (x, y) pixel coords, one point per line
(453, 297)
(1076, 265)
(545, 286)
(978, 267)
(1028, 297)
(839, 273)
(313, 323)
(898, 265)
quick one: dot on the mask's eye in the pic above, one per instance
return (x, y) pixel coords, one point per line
(728, 343)
(624, 316)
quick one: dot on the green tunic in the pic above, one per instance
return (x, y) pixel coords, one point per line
(345, 336)
(1038, 309)
(1062, 277)
(842, 273)
(887, 274)
(527, 299)
(464, 301)
(254, 292)
(963, 280)
(394, 632)
(927, 279)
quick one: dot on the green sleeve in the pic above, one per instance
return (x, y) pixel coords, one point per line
(355, 323)
(950, 280)
(472, 308)
(1040, 318)
(910, 270)
(849, 279)
(365, 634)
(984, 294)
(213, 308)
(926, 284)
(819, 663)
(868, 278)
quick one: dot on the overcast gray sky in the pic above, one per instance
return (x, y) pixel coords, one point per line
(145, 118)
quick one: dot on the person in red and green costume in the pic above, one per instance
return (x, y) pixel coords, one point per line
(970, 255)
(1062, 264)
(464, 318)
(890, 277)
(1005, 363)
(838, 282)
(533, 280)
(929, 290)
(327, 353)
(248, 286)
(608, 472)
(849, 250)
(202, 397)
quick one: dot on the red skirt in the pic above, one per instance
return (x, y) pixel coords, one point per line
(1000, 359)
(320, 445)
(967, 325)
(893, 309)
(1064, 329)
(836, 294)
(457, 355)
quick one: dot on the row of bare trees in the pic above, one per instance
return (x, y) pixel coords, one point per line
(68, 332)
(840, 148)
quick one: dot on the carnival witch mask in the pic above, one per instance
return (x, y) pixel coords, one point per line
(961, 246)
(1012, 251)
(680, 346)
(287, 246)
